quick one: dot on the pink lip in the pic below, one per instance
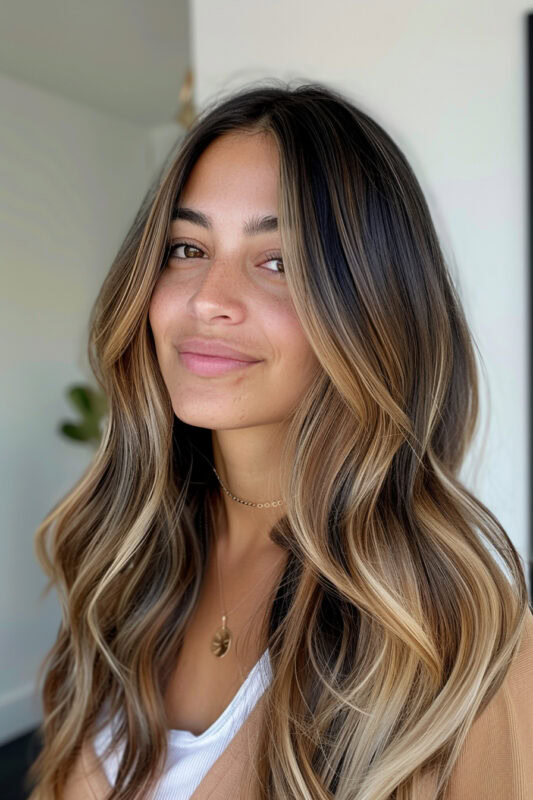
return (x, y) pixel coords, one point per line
(201, 364)
(213, 347)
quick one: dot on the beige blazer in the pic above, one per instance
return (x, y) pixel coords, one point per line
(495, 763)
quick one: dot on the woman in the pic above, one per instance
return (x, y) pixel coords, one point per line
(272, 578)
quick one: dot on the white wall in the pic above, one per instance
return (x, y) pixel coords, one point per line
(71, 180)
(446, 79)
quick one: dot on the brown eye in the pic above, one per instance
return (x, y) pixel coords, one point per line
(274, 257)
(188, 247)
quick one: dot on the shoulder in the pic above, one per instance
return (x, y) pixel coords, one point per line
(87, 781)
(496, 760)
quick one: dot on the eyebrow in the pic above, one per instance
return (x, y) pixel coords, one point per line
(252, 226)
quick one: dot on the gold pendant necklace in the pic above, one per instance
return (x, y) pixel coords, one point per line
(223, 637)
(221, 641)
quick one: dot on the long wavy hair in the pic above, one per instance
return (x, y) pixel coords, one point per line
(403, 598)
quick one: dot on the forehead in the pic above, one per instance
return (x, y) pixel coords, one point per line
(237, 168)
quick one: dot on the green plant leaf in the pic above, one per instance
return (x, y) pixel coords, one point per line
(92, 407)
(71, 431)
(81, 398)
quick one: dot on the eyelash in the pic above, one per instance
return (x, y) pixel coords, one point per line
(268, 256)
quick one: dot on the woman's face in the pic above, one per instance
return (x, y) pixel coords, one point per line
(225, 285)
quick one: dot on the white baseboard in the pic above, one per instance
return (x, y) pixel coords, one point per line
(20, 712)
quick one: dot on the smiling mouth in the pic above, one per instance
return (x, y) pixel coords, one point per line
(202, 364)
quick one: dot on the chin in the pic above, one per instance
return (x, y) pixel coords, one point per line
(213, 421)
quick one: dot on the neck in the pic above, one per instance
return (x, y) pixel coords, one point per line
(247, 462)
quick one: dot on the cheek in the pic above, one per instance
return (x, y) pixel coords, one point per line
(162, 308)
(293, 344)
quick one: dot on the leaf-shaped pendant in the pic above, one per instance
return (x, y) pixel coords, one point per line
(221, 641)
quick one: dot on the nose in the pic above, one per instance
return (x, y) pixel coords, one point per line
(220, 293)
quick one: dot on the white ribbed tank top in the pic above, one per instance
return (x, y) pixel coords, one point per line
(190, 757)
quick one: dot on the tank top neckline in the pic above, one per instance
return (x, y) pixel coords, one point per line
(178, 736)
